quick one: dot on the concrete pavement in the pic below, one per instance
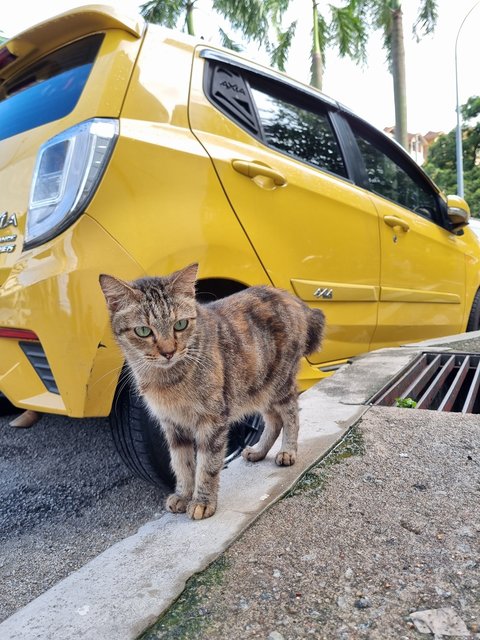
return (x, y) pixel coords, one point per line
(124, 590)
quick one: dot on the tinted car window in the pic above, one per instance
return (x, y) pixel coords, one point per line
(298, 131)
(49, 89)
(389, 179)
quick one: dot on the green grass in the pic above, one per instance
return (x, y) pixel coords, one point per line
(314, 481)
(187, 617)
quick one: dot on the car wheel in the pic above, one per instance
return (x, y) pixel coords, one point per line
(473, 323)
(142, 446)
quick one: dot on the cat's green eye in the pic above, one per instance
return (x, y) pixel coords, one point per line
(143, 332)
(180, 325)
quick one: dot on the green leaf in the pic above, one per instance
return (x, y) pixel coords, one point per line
(405, 403)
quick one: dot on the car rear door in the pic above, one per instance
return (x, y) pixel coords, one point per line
(277, 154)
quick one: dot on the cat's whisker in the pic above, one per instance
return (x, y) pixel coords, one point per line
(198, 361)
(108, 373)
(196, 352)
(127, 379)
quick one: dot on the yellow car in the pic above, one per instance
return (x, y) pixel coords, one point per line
(131, 149)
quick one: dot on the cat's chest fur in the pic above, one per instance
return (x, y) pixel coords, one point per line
(175, 405)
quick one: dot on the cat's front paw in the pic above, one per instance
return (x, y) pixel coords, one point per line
(201, 510)
(176, 503)
(252, 455)
(285, 458)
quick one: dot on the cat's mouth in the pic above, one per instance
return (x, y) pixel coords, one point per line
(167, 363)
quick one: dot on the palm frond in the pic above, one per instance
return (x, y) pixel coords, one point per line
(379, 15)
(279, 53)
(165, 13)
(227, 41)
(252, 18)
(426, 19)
(348, 32)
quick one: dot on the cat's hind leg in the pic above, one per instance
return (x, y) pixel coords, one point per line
(182, 457)
(273, 425)
(288, 451)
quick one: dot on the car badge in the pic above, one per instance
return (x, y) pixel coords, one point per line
(6, 220)
(324, 292)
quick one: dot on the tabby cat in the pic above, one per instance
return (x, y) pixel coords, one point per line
(200, 367)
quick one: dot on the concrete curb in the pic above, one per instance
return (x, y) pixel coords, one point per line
(124, 590)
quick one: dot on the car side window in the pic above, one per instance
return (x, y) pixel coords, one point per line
(281, 117)
(298, 131)
(388, 177)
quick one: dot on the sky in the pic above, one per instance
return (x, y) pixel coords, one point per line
(430, 64)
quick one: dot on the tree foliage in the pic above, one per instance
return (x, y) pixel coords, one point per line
(254, 19)
(166, 13)
(387, 17)
(380, 15)
(261, 21)
(441, 162)
(342, 28)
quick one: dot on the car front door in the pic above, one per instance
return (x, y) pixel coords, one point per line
(422, 283)
(277, 156)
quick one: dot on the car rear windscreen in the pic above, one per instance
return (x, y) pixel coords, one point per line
(49, 89)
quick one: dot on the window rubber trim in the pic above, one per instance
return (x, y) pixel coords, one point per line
(264, 72)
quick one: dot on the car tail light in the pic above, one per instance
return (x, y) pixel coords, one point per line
(17, 334)
(67, 172)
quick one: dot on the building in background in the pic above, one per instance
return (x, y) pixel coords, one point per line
(418, 144)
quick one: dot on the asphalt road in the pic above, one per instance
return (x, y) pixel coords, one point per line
(65, 496)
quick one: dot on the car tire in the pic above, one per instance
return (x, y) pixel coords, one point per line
(7, 408)
(473, 323)
(139, 439)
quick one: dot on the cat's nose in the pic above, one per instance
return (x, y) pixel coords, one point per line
(168, 354)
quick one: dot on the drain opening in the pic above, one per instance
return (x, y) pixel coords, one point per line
(437, 381)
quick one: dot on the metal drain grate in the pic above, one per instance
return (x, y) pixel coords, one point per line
(437, 381)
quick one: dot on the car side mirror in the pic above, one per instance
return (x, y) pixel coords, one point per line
(458, 211)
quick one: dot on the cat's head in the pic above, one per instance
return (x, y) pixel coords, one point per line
(153, 319)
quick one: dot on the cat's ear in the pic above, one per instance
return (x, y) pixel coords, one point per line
(117, 292)
(183, 281)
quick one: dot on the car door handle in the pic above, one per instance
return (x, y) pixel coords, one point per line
(254, 169)
(393, 221)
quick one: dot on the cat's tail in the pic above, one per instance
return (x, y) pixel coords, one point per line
(315, 327)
